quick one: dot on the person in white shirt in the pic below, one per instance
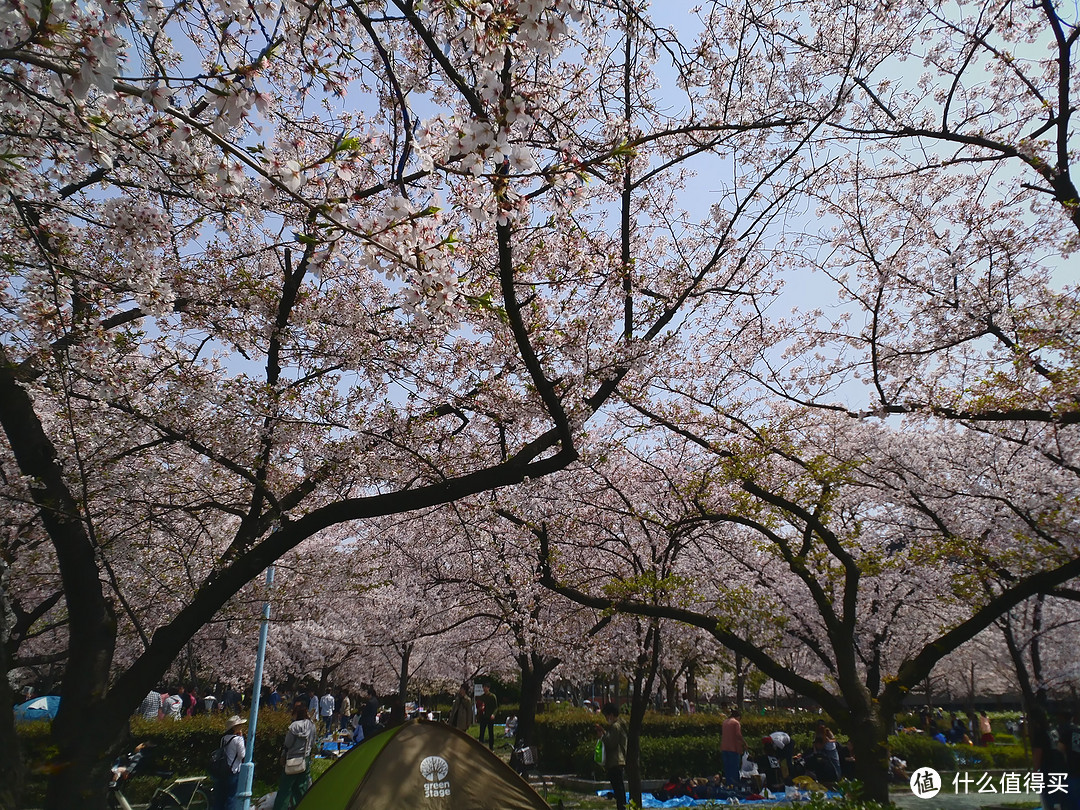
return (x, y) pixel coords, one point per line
(172, 706)
(326, 712)
(225, 788)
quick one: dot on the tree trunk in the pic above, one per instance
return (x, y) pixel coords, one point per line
(88, 727)
(534, 669)
(1036, 650)
(403, 676)
(1033, 700)
(740, 682)
(12, 765)
(869, 738)
(640, 688)
(85, 757)
(670, 687)
(324, 679)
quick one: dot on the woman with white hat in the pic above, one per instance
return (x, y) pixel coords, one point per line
(232, 752)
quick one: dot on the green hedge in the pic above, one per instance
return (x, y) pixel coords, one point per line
(689, 745)
(683, 744)
(660, 757)
(182, 746)
(918, 750)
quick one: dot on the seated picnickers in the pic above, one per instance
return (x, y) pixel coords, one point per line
(818, 764)
(674, 788)
(668, 790)
(847, 761)
(769, 765)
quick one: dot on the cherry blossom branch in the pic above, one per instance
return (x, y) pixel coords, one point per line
(919, 666)
(751, 652)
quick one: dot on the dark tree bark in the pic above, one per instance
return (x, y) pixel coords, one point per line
(12, 765)
(642, 680)
(534, 670)
(405, 651)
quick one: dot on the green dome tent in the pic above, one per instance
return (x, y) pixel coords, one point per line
(421, 766)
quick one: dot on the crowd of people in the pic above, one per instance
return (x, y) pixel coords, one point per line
(330, 711)
(176, 701)
(743, 776)
(778, 766)
(973, 729)
(771, 768)
(317, 715)
(314, 716)
(1055, 748)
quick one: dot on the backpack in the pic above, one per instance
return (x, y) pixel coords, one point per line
(219, 767)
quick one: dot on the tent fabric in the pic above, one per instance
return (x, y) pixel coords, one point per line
(421, 766)
(39, 708)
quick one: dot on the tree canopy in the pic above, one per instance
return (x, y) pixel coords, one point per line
(785, 286)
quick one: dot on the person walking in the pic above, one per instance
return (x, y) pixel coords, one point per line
(613, 760)
(732, 747)
(296, 759)
(232, 744)
(326, 712)
(461, 714)
(1045, 757)
(486, 705)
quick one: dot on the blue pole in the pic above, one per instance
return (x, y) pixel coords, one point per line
(247, 770)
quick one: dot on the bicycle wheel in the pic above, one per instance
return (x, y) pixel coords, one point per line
(199, 800)
(163, 800)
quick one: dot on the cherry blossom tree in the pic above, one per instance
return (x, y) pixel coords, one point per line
(1035, 637)
(943, 218)
(255, 294)
(877, 561)
(495, 617)
(277, 269)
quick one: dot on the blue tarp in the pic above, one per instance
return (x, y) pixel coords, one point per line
(39, 708)
(332, 749)
(648, 800)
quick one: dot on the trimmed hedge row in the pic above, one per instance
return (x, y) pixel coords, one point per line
(660, 757)
(918, 750)
(682, 744)
(689, 745)
(182, 746)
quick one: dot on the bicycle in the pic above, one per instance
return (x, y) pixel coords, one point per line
(186, 793)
